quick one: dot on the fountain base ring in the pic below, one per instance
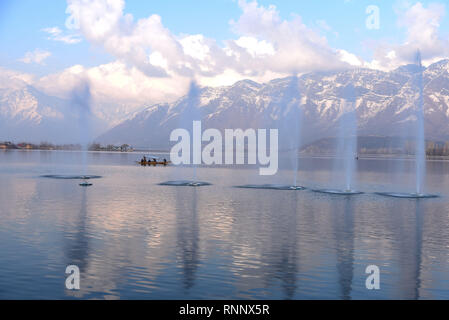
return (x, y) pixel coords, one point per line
(185, 183)
(338, 192)
(271, 187)
(70, 177)
(407, 195)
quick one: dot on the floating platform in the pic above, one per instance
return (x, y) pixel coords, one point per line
(185, 183)
(271, 187)
(338, 192)
(74, 177)
(407, 195)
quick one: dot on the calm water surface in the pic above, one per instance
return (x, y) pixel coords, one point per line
(134, 239)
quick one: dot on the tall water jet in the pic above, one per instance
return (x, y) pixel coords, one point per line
(419, 137)
(347, 143)
(347, 137)
(189, 112)
(420, 152)
(289, 122)
(81, 101)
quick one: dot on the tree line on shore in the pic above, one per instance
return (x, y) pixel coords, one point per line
(366, 145)
(69, 147)
(371, 145)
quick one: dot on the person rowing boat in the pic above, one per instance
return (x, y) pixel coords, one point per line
(153, 162)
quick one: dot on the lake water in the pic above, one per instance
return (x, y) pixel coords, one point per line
(134, 239)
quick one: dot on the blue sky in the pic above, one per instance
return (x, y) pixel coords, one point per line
(21, 24)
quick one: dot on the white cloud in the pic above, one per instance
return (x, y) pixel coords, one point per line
(254, 47)
(266, 43)
(422, 33)
(116, 88)
(14, 79)
(103, 22)
(115, 82)
(350, 58)
(195, 47)
(37, 56)
(56, 34)
(296, 48)
(158, 60)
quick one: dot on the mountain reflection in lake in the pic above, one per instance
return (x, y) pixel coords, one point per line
(134, 239)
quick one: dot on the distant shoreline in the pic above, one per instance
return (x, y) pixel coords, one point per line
(137, 151)
(375, 156)
(46, 146)
(304, 156)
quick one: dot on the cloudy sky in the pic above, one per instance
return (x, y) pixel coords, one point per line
(142, 52)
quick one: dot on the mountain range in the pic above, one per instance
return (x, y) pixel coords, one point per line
(27, 114)
(385, 103)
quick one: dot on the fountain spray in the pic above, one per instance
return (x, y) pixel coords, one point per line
(81, 101)
(420, 152)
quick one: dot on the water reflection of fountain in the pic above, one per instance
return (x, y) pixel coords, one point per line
(280, 255)
(410, 243)
(264, 233)
(187, 231)
(287, 267)
(77, 248)
(344, 237)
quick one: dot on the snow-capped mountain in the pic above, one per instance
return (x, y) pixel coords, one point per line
(385, 104)
(30, 115)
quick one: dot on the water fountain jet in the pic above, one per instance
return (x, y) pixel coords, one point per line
(81, 100)
(420, 145)
(347, 143)
(289, 132)
(188, 115)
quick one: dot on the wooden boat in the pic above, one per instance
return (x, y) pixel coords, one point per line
(154, 163)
